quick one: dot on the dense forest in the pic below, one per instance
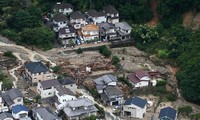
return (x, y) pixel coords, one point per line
(21, 21)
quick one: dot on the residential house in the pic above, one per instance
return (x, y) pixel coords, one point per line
(141, 78)
(20, 112)
(111, 13)
(66, 34)
(95, 17)
(107, 31)
(103, 81)
(63, 8)
(59, 21)
(44, 113)
(62, 95)
(3, 106)
(123, 30)
(134, 107)
(79, 109)
(12, 97)
(69, 83)
(47, 88)
(89, 32)
(77, 19)
(112, 95)
(167, 113)
(37, 71)
(6, 116)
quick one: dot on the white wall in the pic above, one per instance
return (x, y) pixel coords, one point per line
(142, 84)
(137, 112)
(42, 76)
(45, 93)
(17, 116)
(63, 100)
(72, 87)
(99, 19)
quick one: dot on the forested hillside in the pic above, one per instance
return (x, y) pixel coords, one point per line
(21, 21)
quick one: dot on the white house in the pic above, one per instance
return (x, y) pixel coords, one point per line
(79, 109)
(111, 13)
(77, 19)
(89, 32)
(62, 95)
(6, 116)
(20, 112)
(37, 71)
(69, 83)
(123, 30)
(47, 88)
(139, 78)
(3, 106)
(103, 81)
(12, 97)
(66, 34)
(135, 108)
(96, 17)
(64, 8)
(59, 21)
(44, 113)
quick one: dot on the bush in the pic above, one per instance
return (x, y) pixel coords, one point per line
(100, 111)
(9, 54)
(79, 51)
(195, 116)
(185, 110)
(171, 97)
(125, 81)
(162, 53)
(37, 98)
(161, 83)
(56, 69)
(115, 60)
(105, 51)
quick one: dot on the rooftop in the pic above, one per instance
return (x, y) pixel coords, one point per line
(11, 95)
(62, 5)
(105, 79)
(123, 25)
(60, 17)
(67, 81)
(110, 9)
(168, 112)
(49, 83)
(18, 108)
(81, 102)
(90, 27)
(36, 67)
(141, 73)
(66, 30)
(77, 15)
(133, 78)
(113, 90)
(45, 113)
(5, 115)
(136, 101)
(64, 91)
(94, 13)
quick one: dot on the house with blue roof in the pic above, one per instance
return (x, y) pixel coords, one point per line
(134, 107)
(37, 71)
(20, 112)
(167, 113)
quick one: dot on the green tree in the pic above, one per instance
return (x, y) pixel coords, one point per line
(79, 51)
(185, 110)
(115, 60)
(105, 51)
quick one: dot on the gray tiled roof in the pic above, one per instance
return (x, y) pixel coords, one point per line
(67, 81)
(49, 83)
(81, 103)
(110, 9)
(168, 113)
(63, 6)
(10, 95)
(113, 90)
(36, 67)
(63, 30)
(123, 25)
(64, 91)
(5, 115)
(105, 79)
(46, 113)
(77, 15)
(94, 13)
(136, 101)
(60, 17)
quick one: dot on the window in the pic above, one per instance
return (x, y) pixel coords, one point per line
(50, 93)
(71, 85)
(19, 99)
